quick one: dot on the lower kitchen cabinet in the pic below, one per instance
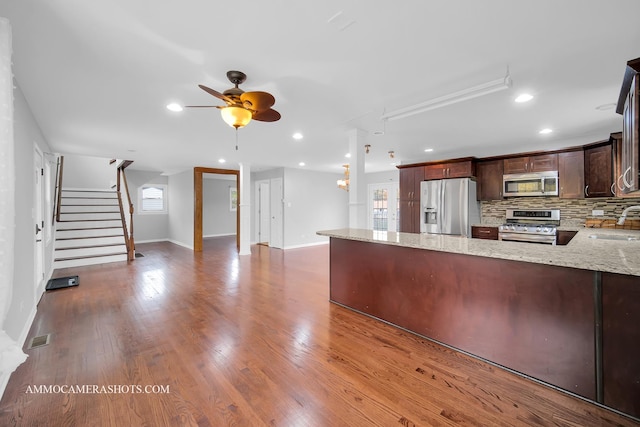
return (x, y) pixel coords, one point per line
(484, 232)
(409, 216)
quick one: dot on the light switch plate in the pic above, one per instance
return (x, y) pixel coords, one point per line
(597, 212)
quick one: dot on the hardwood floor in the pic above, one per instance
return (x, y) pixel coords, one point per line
(252, 341)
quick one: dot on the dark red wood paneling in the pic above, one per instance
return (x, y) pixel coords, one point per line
(533, 318)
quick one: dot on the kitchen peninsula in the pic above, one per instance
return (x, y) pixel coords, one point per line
(564, 315)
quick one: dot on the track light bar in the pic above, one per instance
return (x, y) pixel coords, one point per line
(452, 98)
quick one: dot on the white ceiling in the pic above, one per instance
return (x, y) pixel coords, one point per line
(98, 75)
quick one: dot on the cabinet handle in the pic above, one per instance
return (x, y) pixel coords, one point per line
(624, 177)
(485, 231)
(586, 191)
(613, 184)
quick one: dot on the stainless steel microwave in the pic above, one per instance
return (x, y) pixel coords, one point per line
(530, 184)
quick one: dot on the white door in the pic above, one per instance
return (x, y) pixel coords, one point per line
(276, 237)
(38, 218)
(264, 212)
(383, 206)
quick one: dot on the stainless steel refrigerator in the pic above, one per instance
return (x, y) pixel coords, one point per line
(449, 206)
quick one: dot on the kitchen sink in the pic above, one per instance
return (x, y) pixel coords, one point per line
(614, 237)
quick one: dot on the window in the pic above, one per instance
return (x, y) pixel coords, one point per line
(153, 198)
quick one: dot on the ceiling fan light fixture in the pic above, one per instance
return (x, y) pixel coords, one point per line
(236, 117)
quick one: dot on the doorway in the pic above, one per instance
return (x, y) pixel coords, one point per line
(197, 208)
(383, 212)
(38, 203)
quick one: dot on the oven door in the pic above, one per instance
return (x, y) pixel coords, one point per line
(530, 238)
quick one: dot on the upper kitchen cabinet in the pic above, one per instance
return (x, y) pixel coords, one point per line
(527, 164)
(489, 177)
(598, 170)
(628, 107)
(571, 174)
(410, 179)
(459, 168)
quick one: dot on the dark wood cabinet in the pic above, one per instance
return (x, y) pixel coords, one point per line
(621, 342)
(598, 171)
(489, 179)
(571, 174)
(628, 106)
(527, 164)
(410, 179)
(484, 232)
(461, 169)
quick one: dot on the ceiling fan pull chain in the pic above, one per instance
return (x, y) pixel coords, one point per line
(236, 139)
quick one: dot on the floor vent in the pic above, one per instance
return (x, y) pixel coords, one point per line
(40, 341)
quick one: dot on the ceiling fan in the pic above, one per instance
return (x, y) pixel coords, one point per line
(242, 106)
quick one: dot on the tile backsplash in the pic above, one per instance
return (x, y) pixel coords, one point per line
(573, 212)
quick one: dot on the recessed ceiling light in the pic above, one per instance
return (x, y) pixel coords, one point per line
(301, 164)
(545, 131)
(525, 97)
(222, 161)
(297, 136)
(174, 107)
(348, 155)
(428, 150)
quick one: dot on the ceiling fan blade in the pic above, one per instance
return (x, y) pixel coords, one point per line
(216, 94)
(269, 115)
(257, 101)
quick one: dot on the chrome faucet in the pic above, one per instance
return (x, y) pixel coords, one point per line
(624, 213)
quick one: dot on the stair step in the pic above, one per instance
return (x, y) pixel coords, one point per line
(81, 201)
(75, 209)
(88, 242)
(68, 225)
(89, 216)
(89, 251)
(80, 261)
(101, 236)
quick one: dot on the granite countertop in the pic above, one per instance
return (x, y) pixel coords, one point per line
(613, 256)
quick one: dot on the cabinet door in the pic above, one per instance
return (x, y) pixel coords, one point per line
(409, 216)
(460, 169)
(571, 174)
(516, 165)
(490, 179)
(540, 163)
(543, 163)
(435, 171)
(598, 171)
(410, 179)
(630, 156)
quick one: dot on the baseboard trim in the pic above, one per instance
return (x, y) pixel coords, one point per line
(184, 245)
(306, 245)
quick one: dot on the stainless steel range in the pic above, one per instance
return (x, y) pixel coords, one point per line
(530, 225)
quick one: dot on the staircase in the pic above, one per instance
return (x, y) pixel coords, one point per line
(89, 230)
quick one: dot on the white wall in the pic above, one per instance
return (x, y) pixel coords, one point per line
(380, 177)
(149, 227)
(217, 217)
(25, 296)
(88, 172)
(312, 202)
(181, 200)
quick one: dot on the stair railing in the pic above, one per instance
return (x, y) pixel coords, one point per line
(58, 196)
(128, 235)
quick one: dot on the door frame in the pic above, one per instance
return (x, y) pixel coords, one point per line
(197, 204)
(39, 210)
